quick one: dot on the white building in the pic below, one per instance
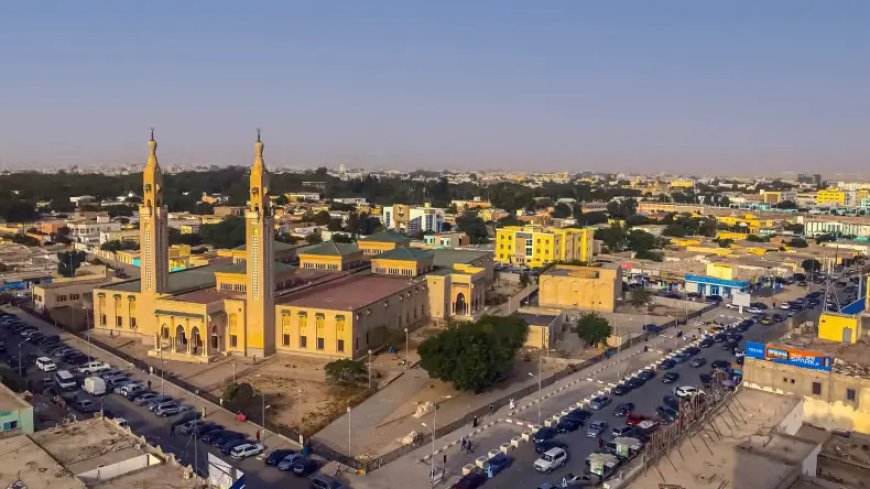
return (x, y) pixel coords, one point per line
(88, 231)
(424, 219)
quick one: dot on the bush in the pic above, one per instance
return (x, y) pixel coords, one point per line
(593, 328)
(345, 371)
(238, 393)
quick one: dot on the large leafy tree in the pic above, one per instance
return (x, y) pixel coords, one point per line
(228, 233)
(474, 356)
(593, 328)
(811, 265)
(69, 261)
(345, 371)
(472, 225)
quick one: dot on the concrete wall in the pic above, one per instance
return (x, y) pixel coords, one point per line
(678, 304)
(118, 469)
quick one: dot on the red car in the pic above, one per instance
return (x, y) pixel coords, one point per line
(633, 419)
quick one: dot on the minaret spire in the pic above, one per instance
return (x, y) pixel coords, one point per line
(152, 152)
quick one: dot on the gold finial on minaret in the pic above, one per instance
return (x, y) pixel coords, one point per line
(152, 151)
(258, 151)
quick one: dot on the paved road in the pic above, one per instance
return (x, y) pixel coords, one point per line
(521, 475)
(142, 421)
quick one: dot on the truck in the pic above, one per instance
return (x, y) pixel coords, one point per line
(94, 385)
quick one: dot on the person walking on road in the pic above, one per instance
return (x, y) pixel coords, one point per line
(258, 436)
(171, 430)
(474, 422)
(491, 409)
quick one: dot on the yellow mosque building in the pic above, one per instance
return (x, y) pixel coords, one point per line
(340, 301)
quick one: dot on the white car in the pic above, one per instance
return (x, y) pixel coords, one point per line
(45, 364)
(686, 391)
(94, 367)
(731, 306)
(247, 450)
(755, 310)
(551, 460)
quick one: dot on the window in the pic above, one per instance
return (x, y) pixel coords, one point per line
(340, 345)
(817, 388)
(119, 321)
(303, 342)
(850, 394)
(133, 322)
(285, 339)
(320, 343)
(102, 319)
(61, 298)
(234, 341)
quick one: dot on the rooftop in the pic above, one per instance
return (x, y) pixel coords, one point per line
(348, 293)
(186, 280)
(537, 319)
(852, 360)
(10, 401)
(330, 248)
(385, 236)
(447, 257)
(33, 466)
(407, 254)
(276, 246)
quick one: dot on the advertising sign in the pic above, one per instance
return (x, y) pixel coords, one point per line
(788, 355)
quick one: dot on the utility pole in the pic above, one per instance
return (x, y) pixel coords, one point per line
(370, 369)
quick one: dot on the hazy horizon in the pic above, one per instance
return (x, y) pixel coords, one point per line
(672, 86)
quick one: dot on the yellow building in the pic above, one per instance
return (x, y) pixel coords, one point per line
(382, 241)
(831, 196)
(256, 306)
(536, 246)
(843, 328)
(749, 221)
(731, 235)
(578, 287)
(681, 183)
(545, 326)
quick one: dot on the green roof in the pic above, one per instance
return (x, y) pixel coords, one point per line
(330, 248)
(195, 278)
(447, 257)
(403, 253)
(385, 236)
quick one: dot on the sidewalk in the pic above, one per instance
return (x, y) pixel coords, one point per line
(212, 411)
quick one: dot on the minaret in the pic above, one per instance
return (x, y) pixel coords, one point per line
(153, 230)
(259, 236)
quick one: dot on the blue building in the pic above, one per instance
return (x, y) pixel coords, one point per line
(705, 285)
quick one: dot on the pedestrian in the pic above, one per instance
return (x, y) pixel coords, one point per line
(171, 430)
(491, 409)
(204, 411)
(221, 400)
(512, 404)
(149, 384)
(462, 443)
(444, 461)
(151, 369)
(470, 448)
(474, 422)
(600, 442)
(258, 436)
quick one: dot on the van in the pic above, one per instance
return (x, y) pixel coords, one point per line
(45, 364)
(94, 385)
(65, 380)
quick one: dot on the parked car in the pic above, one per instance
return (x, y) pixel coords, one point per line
(646, 374)
(472, 480)
(567, 425)
(623, 430)
(45, 364)
(278, 455)
(498, 463)
(623, 409)
(544, 434)
(289, 461)
(697, 362)
(670, 377)
(172, 409)
(551, 460)
(686, 391)
(222, 438)
(145, 398)
(547, 445)
(85, 406)
(191, 426)
(671, 402)
(244, 449)
(156, 400)
(304, 467)
(94, 367)
(94, 386)
(634, 419)
(599, 402)
(667, 364)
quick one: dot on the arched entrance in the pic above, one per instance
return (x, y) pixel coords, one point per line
(196, 340)
(461, 306)
(180, 339)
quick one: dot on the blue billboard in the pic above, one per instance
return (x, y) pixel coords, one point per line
(788, 356)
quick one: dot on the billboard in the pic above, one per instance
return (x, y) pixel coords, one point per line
(788, 356)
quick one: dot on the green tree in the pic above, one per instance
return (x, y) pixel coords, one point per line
(811, 265)
(322, 218)
(228, 233)
(795, 228)
(472, 225)
(641, 240)
(593, 328)
(798, 243)
(314, 238)
(69, 261)
(334, 224)
(561, 211)
(345, 371)
(639, 297)
(615, 237)
(755, 238)
(474, 356)
(117, 245)
(622, 208)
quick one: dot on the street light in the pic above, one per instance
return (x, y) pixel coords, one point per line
(434, 424)
(349, 453)
(407, 347)
(370, 369)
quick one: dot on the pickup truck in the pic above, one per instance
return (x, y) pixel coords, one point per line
(94, 367)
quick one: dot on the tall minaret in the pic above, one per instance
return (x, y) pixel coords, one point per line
(153, 230)
(259, 235)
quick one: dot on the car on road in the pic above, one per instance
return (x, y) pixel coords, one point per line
(623, 409)
(567, 425)
(646, 374)
(246, 450)
(624, 430)
(670, 377)
(667, 364)
(498, 463)
(596, 428)
(304, 467)
(46, 364)
(544, 434)
(472, 480)
(634, 419)
(599, 402)
(697, 362)
(548, 445)
(227, 448)
(672, 402)
(620, 390)
(686, 391)
(551, 460)
(706, 342)
(85, 406)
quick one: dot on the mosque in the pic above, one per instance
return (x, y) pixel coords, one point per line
(340, 301)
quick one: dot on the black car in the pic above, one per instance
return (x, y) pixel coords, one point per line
(304, 467)
(623, 409)
(697, 362)
(227, 447)
(580, 415)
(567, 425)
(212, 435)
(671, 402)
(693, 350)
(277, 456)
(706, 380)
(225, 437)
(207, 428)
(621, 390)
(471, 481)
(544, 434)
(634, 382)
(670, 377)
(667, 364)
(549, 444)
(646, 374)
(721, 365)
(667, 414)
(729, 344)
(706, 342)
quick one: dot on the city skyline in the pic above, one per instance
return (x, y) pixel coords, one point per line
(677, 87)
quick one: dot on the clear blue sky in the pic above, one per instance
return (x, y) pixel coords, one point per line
(695, 86)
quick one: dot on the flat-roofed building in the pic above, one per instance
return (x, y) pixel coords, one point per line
(579, 287)
(16, 415)
(536, 246)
